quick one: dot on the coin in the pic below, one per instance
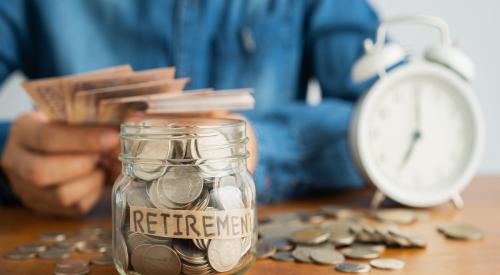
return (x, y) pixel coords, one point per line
(223, 255)
(138, 197)
(32, 247)
(352, 267)
(71, 262)
(151, 152)
(160, 259)
(327, 256)
(396, 215)
(72, 270)
(302, 254)
(182, 185)
(20, 255)
(91, 247)
(461, 231)
(387, 263)
(265, 250)
(281, 244)
(360, 252)
(52, 236)
(309, 236)
(54, 253)
(229, 197)
(102, 260)
(283, 256)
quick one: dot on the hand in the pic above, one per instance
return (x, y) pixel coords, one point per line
(53, 168)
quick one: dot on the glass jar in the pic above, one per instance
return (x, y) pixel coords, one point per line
(185, 202)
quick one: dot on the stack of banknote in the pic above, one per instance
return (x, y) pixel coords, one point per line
(108, 95)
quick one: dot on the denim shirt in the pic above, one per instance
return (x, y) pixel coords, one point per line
(273, 46)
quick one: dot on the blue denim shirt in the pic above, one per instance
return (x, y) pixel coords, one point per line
(274, 46)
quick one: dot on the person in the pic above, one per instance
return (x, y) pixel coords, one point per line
(273, 46)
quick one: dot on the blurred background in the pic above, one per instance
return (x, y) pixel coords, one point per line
(473, 25)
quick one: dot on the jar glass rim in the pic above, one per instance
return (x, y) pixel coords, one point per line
(179, 123)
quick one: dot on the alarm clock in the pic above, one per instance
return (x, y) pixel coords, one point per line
(418, 133)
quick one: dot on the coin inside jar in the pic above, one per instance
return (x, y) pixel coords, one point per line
(224, 255)
(182, 185)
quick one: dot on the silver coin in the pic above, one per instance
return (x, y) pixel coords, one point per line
(213, 146)
(283, 256)
(52, 236)
(54, 253)
(224, 255)
(72, 270)
(138, 197)
(352, 267)
(302, 254)
(152, 152)
(20, 255)
(71, 262)
(396, 215)
(360, 253)
(182, 185)
(281, 244)
(387, 263)
(309, 236)
(161, 259)
(102, 260)
(32, 247)
(92, 247)
(229, 197)
(265, 250)
(327, 256)
(461, 231)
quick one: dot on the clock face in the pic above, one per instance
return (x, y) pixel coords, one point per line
(419, 134)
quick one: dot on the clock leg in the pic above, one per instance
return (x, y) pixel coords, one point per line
(377, 199)
(457, 200)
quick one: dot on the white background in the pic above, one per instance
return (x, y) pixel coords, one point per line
(474, 24)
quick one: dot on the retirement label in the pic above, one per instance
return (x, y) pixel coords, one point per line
(192, 224)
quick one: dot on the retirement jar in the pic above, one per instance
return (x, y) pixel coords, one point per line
(185, 202)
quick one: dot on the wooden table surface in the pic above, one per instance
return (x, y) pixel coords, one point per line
(442, 256)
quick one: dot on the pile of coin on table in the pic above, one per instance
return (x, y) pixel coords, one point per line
(335, 234)
(59, 247)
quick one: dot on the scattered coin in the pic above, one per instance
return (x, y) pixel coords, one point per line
(20, 255)
(302, 254)
(352, 267)
(461, 231)
(72, 270)
(309, 236)
(52, 236)
(265, 250)
(54, 253)
(32, 247)
(360, 252)
(283, 256)
(102, 260)
(396, 215)
(387, 263)
(327, 256)
(71, 262)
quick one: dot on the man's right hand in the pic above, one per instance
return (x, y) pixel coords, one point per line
(52, 167)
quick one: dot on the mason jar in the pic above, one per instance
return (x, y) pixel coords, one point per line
(185, 201)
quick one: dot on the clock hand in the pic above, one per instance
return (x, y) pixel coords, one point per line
(411, 148)
(417, 134)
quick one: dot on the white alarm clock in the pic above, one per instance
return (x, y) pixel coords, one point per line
(418, 132)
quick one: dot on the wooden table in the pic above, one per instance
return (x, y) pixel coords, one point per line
(442, 256)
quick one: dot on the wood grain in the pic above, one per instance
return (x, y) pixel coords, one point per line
(442, 256)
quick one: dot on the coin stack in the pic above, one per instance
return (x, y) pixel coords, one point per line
(335, 233)
(175, 173)
(60, 246)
